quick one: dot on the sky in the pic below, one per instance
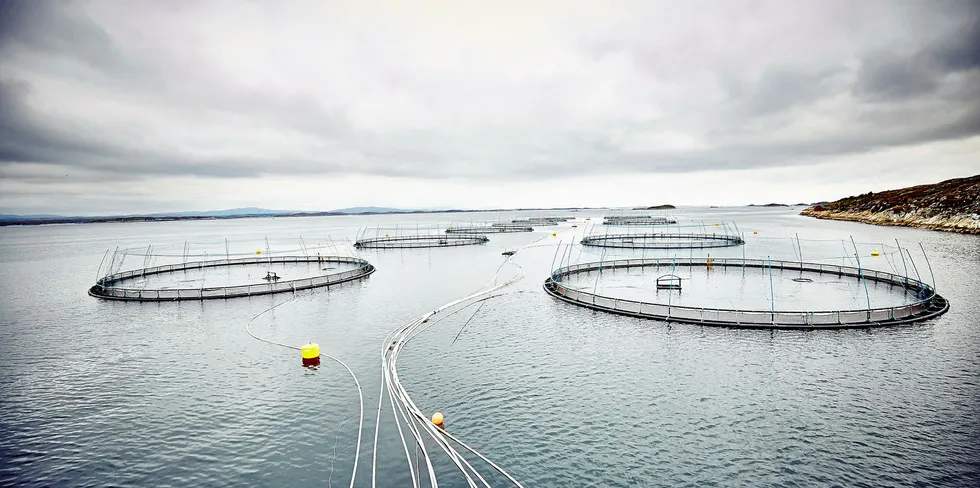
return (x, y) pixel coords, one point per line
(153, 106)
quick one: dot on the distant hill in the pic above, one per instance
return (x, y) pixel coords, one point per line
(231, 212)
(370, 210)
(951, 205)
(28, 217)
(769, 205)
(234, 213)
(657, 207)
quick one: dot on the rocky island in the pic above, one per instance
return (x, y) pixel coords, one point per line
(656, 207)
(951, 205)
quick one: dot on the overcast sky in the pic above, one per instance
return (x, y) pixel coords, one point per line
(144, 106)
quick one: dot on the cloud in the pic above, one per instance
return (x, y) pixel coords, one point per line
(476, 93)
(890, 77)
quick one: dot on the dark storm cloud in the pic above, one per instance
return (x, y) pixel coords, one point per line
(26, 137)
(779, 90)
(960, 50)
(105, 91)
(60, 29)
(889, 76)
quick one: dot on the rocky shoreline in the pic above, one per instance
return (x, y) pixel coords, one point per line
(950, 206)
(963, 224)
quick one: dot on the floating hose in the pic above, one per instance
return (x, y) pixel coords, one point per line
(413, 417)
(360, 394)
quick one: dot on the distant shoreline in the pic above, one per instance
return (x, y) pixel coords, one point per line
(27, 221)
(127, 219)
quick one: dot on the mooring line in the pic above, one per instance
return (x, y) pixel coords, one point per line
(360, 393)
(482, 303)
(397, 389)
(248, 326)
(406, 409)
(336, 439)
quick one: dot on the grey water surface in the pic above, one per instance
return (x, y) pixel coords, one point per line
(102, 393)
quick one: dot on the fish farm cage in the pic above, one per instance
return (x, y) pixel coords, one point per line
(496, 228)
(414, 242)
(925, 305)
(415, 237)
(637, 220)
(540, 221)
(662, 240)
(114, 283)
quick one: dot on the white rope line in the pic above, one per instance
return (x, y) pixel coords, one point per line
(377, 426)
(401, 434)
(406, 417)
(336, 439)
(406, 406)
(457, 459)
(248, 326)
(406, 412)
(360, 394)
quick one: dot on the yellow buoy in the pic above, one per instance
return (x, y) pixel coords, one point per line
(311, 354)
(716, 225)
(386, 235)
(258, 251)
(554, 234)
(755, 233)
(875, 253)
(437, 418)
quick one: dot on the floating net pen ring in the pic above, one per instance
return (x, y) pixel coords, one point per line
(927, 303)
(421, 241)
(662, 241)
(108, 287)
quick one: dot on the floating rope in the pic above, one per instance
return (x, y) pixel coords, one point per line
(360, 394)
(409, 412)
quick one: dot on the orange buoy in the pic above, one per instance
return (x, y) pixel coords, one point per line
(438, 419)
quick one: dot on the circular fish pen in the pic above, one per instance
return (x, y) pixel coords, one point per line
(922, 301)
(489, 229)
(112, 286)
(662, 241)
(638, 220)
(420, 241)
(541, 221)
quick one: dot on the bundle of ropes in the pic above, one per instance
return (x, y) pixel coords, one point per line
(404, 410)
(406, 413)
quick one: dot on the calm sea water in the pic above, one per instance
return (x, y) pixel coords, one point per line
(96, 393)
